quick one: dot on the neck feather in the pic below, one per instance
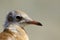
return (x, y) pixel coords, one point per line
(16, 31)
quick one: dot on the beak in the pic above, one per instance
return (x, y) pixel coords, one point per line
(35, 23)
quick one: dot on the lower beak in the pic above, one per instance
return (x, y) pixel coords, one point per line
(35, 23)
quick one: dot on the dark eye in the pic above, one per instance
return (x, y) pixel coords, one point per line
(19, 18)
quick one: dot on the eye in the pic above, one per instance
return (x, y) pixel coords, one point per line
(19, 18)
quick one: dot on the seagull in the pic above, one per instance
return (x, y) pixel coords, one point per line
(14, 25)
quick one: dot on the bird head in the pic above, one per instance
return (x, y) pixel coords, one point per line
(20, 17)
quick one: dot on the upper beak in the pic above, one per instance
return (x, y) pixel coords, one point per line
(35, 23)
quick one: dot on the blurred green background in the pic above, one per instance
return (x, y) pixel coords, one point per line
(45, 11)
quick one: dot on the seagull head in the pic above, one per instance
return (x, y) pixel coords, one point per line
(19, 17)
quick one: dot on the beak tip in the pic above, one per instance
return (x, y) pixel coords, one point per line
(39, 24)
(35, 23)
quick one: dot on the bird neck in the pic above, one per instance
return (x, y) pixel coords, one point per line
(14, 27)
(16, 31)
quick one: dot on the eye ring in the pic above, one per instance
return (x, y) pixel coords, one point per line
(19, 18)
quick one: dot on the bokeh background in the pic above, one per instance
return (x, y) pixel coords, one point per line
(45, 11)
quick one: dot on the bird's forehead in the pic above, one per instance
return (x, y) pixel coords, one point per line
(19, 13)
